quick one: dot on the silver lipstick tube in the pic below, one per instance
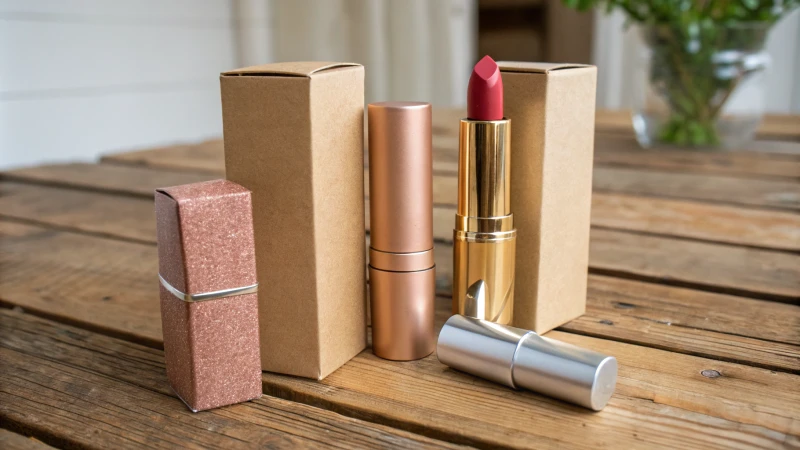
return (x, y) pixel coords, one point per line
(522, 359)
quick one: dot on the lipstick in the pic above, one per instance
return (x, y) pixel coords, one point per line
(402, 279)
(484, 235)
(485, 91)
(519, 359)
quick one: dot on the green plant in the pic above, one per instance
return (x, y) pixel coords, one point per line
(698, 54)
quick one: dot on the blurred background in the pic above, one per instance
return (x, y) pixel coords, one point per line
(79, 78)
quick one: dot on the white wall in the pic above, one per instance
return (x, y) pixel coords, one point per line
(413, 49)
(617, 48)
(83, 77)
(79, 78)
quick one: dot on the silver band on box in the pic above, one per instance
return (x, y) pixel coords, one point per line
(213, 295)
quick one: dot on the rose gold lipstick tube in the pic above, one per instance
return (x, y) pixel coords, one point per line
(402, 279)
(484, 240)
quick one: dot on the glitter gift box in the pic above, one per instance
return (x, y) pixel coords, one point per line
(209, 305)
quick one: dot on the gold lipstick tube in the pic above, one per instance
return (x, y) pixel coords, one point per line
(484, 235)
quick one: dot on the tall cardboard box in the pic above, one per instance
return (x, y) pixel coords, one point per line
(294, 136)
(552, 109)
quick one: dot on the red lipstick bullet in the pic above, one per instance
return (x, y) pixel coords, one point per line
(485, 91)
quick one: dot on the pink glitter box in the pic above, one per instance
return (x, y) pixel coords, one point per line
(209, 304)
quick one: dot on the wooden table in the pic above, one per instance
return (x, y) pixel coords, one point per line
(694, 286)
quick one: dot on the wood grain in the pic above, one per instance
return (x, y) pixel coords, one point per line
(678, 183)
(777, 230)
(668, 173)
(207, 156)
(719, 268)
(134, 267)
(699, 187)
(435, 392)
(686, 219)
(120, 180)
(77, 388)
(784, 127)
(773, 126)
(102, 284)
(759, 273)
(673, 405)
(724, 327)
(99, 213)
(725, 269)
(13, 441)
(623, 151)
(658, 389)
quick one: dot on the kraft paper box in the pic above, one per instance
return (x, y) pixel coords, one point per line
(552, 110)
(294, 136)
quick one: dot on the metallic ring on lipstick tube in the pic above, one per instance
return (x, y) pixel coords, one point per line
(401, 262)
(485, 224)
(520, 358)
(477, 236)
(214, 295)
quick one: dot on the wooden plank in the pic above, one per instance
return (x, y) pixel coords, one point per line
(13, 441)
(122, 180)
(97, 213)
(699, 187)
(711, 222)
(677, 184)
(719, 268)
(708, 266)
(623, 151)
(681, 320)
(77, 388)
(726, 224)
(714, 267)
(773, 126)
(725, 269)
(206, 156)
(777, 230)
(653, 387)
(619, 151)
(104, 284)
(688, 321)
(662, 399)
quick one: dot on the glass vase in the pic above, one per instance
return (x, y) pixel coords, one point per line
(700, 87)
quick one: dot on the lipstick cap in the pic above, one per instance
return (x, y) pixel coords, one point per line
(402, 277)
(522, 359)
(400, 178)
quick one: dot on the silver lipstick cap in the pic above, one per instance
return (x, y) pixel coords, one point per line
(522, 359)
